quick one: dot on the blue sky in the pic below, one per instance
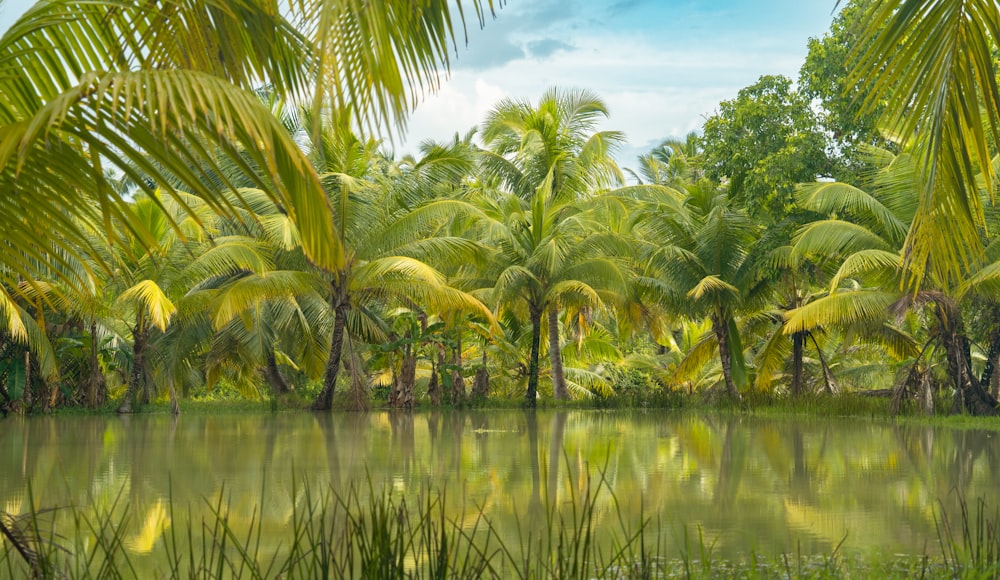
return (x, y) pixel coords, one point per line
(662, 66)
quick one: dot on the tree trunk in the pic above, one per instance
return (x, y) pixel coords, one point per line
(830, 385)
(721, 328)
(139, 337)
(53, 398)
(324, 400)
(175, 408)
(925, 396)
(457, 380)
(96, 382)
(970, 394)
(444, 376)
(559, 389)
(273, 375)
(798, 351)
(27, 395)
(359, 383)
(481, 384)
(433, 387)
(407, 379)
(988, 378)
(531, 396)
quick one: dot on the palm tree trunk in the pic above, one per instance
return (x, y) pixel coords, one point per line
(559, 389)
(359, 380)
(433, 386)
(273, 375)
(457, 380)
(27, 396)
(481, 384)
(139, 337)
(407, 379)
(536, 338)
(444, 376)
(971, 395)
(721, 328)
(175, 408)
(324, 400)
(96, 381)
(798, 352)
(992, 358)
(830, 385)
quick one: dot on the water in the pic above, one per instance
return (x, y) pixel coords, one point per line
(771, 486)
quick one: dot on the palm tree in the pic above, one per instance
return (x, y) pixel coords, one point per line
(384, 240)
(865, 287)
(550, 164)
(695, 249)
(155, 93)
(672, 163)
(147, 281)
(930, 62)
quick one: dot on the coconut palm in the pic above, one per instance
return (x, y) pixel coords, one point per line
(386, 242)
(931, 63)
(864, 290)
(550, 163)
(147, 281)
(672, 163)
(156, 93)
(694, 251)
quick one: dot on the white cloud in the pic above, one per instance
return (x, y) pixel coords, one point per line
(459, 106)
(653, 91)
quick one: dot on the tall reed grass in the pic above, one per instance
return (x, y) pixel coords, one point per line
(380, 534)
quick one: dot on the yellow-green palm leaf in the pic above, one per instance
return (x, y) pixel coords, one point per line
(153, 300)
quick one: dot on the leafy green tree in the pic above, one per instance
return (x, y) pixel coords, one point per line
(825, 77)
(762, 143)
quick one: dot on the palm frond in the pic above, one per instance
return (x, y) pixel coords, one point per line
(840, 309)
(149, 296)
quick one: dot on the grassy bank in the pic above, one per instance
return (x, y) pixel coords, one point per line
(762, 405)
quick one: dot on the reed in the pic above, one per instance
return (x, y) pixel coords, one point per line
(377, 533)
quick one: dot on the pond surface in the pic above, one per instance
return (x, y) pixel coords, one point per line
(771, 486)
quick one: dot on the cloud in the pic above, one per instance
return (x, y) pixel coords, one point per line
(662, 68)
(546, 47)
(459, 106)
(622, 6)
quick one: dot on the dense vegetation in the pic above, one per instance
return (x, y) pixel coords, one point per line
(179, 223)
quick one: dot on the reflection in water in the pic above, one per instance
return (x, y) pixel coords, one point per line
(749, 484)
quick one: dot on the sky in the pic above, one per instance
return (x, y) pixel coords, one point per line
(661, 66)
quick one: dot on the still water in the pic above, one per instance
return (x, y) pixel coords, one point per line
(771, 486)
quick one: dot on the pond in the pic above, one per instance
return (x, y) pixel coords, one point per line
(748, 484)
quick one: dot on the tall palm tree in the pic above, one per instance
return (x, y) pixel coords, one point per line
(148, 281)
(385, 239)
(694, 251)
(156, 93)
(864, 291)
(550, 163)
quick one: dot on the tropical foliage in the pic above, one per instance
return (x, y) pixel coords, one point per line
(199, 200)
